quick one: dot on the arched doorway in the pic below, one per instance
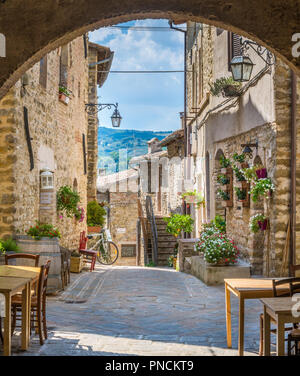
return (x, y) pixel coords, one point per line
(34, 29)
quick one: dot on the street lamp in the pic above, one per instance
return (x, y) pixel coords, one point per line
(94, 108)
(247, 149)
(242, 66)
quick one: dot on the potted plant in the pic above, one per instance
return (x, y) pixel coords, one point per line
(216, 247)
(224, 162)
(223, 179)
(223, 195)
(76, 262)
(67, 201)
(43, 230)
(241, 194)
(7, 246)
(262, 188)
(225, 86)
(258, 222)
(238, 174)
(95, 216)
(239, 157)
(64, 94)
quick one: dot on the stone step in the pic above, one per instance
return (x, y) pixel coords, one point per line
(165, 251)
(166, 244)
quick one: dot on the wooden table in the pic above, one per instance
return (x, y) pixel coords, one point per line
(280, 310)
(14, 279)
(245, 288)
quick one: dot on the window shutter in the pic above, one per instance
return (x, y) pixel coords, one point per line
(43, 72)
(84, 154)
(28, 138)
(85, 45)
(234, 46)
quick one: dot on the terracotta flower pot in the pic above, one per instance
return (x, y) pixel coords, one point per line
(63, 98)
(94, 229)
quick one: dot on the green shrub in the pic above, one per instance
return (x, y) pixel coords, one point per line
(95, 214)
(67, 201)
(179, 222)
(8, 245)
(43, 230)
(220, 223)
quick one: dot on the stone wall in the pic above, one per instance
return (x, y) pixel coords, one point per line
(123, 221)
(56, 132)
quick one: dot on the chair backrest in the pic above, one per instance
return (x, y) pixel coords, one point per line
(27, 256)
(43, 279)
(279, 289)
(83, 241)
(295, 286)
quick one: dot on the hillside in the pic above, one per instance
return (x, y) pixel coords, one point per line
(110, 141)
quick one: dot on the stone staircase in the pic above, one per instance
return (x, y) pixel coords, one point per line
(166, 242)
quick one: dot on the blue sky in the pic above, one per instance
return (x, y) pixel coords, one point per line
(146, 101)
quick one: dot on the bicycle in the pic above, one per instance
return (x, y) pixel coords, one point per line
(107, 250)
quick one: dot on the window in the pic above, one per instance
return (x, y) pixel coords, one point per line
(200, 79)
(64, 63)
(234, 46)
(43, 72)
(194, 87)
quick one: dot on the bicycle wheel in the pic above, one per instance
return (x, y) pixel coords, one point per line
(109, 255)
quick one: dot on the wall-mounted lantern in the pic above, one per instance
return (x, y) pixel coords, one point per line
(47, 179)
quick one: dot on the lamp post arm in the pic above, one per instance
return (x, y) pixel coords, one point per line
(262, 52)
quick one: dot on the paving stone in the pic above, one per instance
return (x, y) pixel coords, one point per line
(141, 311)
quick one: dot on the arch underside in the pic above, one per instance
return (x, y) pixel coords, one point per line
(34, 28)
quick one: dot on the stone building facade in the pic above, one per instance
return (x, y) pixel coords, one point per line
(219, 126)
(38, 131)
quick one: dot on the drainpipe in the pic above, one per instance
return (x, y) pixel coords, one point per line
(186, 135)
(293, 172)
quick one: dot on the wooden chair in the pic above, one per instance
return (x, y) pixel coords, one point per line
(38, 305)
(25, 256)
(65, 266)
(277, 292)
(18, 256)
(294, 269)
(89, 255)
(294, 336)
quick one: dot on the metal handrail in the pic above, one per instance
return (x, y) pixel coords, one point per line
(151, 219)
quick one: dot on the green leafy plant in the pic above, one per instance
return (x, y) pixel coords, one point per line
(2, 250)
(223, 179)
(238, 173)
(64, 90)
(95, 214)
(239, 157)
(217, 88)
(241, 193)
(220, 223)
(216, 247)
(170, 261)
(250, 174)
(67, 201)
(262, 188)
(43, 230)
(8, 245)
(223, 195)
(150, 264)
(225, 162)
(254, 225)
(177, 223)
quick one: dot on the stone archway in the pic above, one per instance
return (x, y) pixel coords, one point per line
(34, 28)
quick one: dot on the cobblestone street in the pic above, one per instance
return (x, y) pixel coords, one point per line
(141, 311)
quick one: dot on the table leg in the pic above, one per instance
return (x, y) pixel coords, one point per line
(267, 333)
(241, 326)
(228, 316)
(7, 325)
(280, 338)
(26, 294)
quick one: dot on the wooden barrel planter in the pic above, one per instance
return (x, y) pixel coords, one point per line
(48, 249)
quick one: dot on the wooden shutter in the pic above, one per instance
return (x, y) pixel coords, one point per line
(234, 46)
(64, 64)
(28, 138)
(43, 72)
(85, 46)
(84, 154)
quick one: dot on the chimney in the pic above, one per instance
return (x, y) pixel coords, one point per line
(152, 145)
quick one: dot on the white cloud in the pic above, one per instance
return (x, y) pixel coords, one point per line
(147, 93)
